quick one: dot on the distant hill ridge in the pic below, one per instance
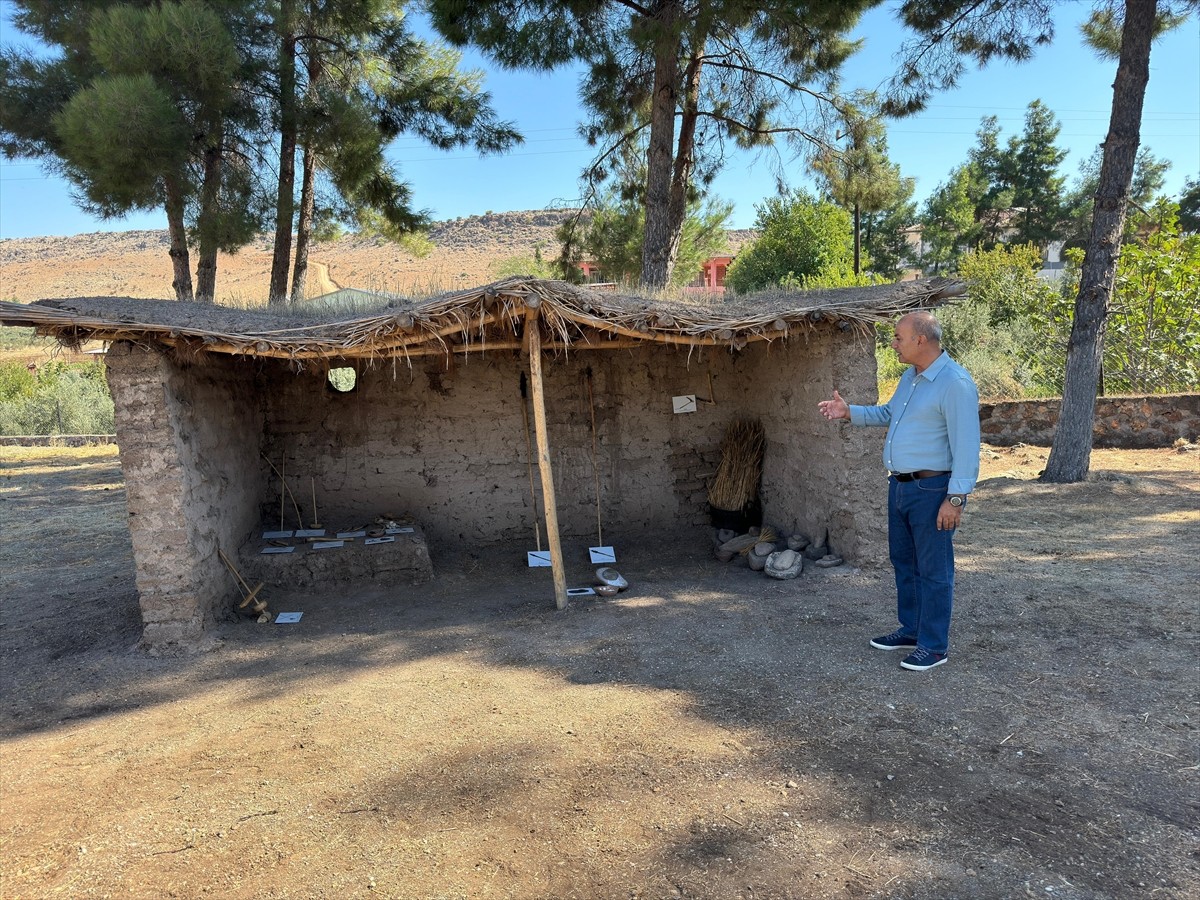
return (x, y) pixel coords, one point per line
(135, 263)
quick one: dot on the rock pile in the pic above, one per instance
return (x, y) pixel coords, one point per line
(776, 556)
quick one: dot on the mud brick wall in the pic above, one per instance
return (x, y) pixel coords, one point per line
(694, 470)
(189, 435)
(1129, 423)
(819, 475)
(447, 445)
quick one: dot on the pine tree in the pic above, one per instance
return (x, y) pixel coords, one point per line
(949, 219)
(854, 169)
(175, 104)
(1037, 184)
(690, 77)
(1071, 451)
(356, 78)
(1149, 176)
(134, 109)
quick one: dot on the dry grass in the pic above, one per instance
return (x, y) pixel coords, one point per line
(736, 483)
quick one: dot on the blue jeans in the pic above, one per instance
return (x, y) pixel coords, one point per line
(923, 558)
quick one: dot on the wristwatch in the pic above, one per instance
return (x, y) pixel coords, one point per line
(957, 500)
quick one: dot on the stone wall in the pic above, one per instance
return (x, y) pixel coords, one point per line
(1126, 422)
(56, 440)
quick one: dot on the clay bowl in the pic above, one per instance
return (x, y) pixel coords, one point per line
(606, 590)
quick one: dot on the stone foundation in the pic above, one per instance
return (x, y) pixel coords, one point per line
(403, 561)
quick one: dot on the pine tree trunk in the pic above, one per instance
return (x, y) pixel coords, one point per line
(181, 266)
(857, 239)
(1071, 452)
(208, 221)
(285, 198)
(685, 159)
(656, 243)
(304, 225)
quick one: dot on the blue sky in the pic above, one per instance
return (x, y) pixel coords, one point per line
(1067, 77)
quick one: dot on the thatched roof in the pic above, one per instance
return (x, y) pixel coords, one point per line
(491, 317)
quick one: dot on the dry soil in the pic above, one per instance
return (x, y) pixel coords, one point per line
(708, 734)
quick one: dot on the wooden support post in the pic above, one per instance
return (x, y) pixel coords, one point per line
(532, 334)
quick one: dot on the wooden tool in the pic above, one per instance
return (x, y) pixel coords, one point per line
(288, 492)
(260, 605)
(315, 523)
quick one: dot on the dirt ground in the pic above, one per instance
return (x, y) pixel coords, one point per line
(709, 733)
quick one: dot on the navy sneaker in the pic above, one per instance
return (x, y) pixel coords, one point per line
(897, 640)
(921, 659)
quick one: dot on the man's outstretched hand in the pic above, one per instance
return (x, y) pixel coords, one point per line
(837, 408)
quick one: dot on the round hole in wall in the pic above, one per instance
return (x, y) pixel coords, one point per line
(343, 379)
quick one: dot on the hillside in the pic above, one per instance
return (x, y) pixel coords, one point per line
(135, 263)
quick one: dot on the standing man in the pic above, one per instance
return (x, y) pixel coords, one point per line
(932, 457)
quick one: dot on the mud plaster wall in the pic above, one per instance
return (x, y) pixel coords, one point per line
(448, 446)
(818, 475)
(189, 435)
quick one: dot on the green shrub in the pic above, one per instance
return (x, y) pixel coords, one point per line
(15, 381)
(64, 398)
(799, 237)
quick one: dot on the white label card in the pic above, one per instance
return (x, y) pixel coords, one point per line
(278, 549)
(288, 618)
(327, 545)
(538, 558)
(275, 535)
(603, 554)
(382, 540)
(684, 404)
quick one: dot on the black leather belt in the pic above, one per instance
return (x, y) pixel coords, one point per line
(913, 476)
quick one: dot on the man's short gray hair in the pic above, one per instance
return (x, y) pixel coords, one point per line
(924, 323)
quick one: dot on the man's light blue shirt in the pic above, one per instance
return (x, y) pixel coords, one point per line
(933, 423)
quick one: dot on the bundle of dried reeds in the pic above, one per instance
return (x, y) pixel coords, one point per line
(736, 483)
